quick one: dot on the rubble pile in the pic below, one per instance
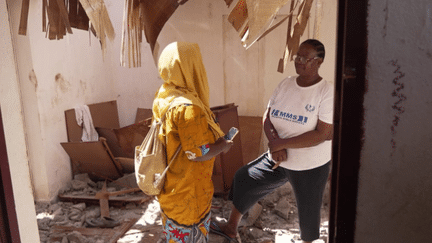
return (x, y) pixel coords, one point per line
(273, 219)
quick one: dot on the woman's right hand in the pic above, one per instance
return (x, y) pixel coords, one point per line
(226, 144)
(279, 156)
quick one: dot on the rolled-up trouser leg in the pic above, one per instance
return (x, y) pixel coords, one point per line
(254, 181)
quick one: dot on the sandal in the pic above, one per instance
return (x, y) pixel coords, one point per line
(215, 229)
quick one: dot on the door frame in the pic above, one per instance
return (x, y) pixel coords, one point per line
(8, 217)
(350, 87)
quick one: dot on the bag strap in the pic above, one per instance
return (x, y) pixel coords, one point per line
(172, 159)
(163, 117)
(179, 147)
(176, 152)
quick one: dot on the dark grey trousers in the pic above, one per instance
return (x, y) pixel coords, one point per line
(257, 179)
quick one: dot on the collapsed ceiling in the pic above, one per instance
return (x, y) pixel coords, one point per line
(252, 19)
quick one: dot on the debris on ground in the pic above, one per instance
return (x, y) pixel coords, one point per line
(135, 217)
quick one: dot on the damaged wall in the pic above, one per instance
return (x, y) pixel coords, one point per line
(12, 117)
(56, 75)
(395, 186)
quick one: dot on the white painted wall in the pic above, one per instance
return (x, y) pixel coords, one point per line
(72, 72)
(395, 190)
(64, 73)
(52, 76)
(12, 116)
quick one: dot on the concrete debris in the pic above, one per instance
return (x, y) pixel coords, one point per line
(273, 220)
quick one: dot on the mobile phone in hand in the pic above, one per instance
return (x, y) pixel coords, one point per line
(231, 133)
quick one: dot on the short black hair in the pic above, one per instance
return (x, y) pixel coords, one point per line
(318, 46)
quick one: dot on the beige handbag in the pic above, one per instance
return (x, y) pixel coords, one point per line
(151, 161)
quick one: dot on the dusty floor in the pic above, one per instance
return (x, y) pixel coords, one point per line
(273, 220)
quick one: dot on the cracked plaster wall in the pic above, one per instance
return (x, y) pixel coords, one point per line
(55, 75)
(13, 125)
(395, 187)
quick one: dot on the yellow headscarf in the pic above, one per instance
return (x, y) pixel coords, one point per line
(185, 79)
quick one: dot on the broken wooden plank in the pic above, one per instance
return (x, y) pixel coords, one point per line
(108, 235)
(114, 201)
(261, 15)
(105, 194)
(132, 33)
(24, 17)
(149, 16)
(77, 16)
(92, 158)
(293, 39)
(239, 15)
(98, 15)
(283, 61)
(64, 15)
(44, 15)
(53, 23)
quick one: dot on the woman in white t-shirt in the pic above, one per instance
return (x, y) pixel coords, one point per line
(299, 126)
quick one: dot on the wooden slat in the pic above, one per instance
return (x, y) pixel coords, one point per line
(44, 15)
(64, 15)
(293, 41)
(24, 17)
(132, 33)
(98, 15)
(284, 60)
(52, 23)
(238, 15)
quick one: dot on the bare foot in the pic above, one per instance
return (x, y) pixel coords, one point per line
(226, 229)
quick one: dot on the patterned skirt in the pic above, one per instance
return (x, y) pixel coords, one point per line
(178, 233)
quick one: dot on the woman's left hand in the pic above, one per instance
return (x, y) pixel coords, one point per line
(280, 155)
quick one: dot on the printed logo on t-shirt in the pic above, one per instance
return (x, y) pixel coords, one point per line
(289, 117)
(309, 108)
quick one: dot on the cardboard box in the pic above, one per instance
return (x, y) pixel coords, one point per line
(111, 156)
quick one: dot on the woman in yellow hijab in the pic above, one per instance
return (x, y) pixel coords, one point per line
(184, 98)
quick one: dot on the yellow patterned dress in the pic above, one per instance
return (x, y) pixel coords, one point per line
(184, 97)
(188, 190)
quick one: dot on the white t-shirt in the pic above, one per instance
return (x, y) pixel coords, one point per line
(296, 110)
